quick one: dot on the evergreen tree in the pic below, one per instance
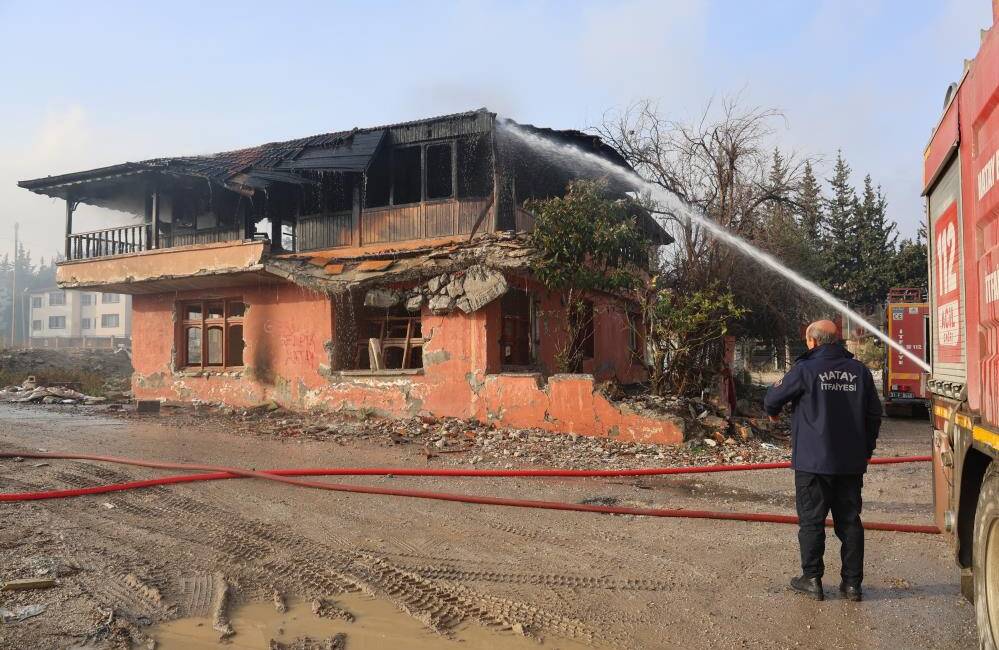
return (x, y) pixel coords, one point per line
(809, 200)
(909, 267)
(810, 220)
(876, 251)
(839, 241)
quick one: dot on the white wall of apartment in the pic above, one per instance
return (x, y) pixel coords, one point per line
(76, 314)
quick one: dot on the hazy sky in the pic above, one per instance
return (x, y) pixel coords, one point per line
(89, 84)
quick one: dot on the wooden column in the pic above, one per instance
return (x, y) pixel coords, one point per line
(275, 234)
(155, 221)
(69, 225)
(355, 215)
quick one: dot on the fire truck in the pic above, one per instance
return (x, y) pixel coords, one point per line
(961, 165)
(907, 320)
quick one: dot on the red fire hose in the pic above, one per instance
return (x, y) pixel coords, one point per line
(281, 476)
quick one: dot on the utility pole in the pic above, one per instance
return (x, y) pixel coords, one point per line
(13, 291)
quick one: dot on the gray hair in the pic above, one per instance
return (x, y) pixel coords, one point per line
(821, 335)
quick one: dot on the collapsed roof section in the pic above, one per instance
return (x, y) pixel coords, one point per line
(336, 275)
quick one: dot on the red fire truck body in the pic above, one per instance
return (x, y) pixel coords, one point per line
(907, 321)
(961, 168)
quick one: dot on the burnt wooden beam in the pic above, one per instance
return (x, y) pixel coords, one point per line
(69, 226)
(355, 216)
(275, 233)
(155, 204)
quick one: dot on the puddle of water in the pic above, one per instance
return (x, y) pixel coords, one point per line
(377, 625)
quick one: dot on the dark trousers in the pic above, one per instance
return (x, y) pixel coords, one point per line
(815, 496)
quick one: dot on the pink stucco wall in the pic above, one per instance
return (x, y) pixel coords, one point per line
(287, 331)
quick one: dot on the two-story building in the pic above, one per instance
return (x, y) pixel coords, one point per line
(61, 318)
(379, 268)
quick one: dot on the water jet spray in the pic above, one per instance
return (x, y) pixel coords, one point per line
(691, 214)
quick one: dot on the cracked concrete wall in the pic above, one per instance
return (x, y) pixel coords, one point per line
(288, 331)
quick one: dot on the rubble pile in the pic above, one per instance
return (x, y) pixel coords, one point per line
(455, 442)
(30, 391)
(467, 290)
(94, 372)
(704, 421)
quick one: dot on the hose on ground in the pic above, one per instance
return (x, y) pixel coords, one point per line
(214, 472)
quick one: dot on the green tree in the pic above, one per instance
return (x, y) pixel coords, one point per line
(683, 331)
(808, 197)
(876, 252)
(909, 268)
(586, 241)
(839, 242)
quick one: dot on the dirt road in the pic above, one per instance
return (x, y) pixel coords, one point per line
(491, 576)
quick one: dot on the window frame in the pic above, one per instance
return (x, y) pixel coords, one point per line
(37, 302)
(62, 298)
(385, 321)
(115, 298)
(525, 326)
(117, 321)
(56, 319)
(204, 324)
(36, 325)
(86, 324)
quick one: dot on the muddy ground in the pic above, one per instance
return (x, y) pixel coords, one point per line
(129, 561)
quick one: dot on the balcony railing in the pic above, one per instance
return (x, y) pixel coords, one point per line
(110, 241)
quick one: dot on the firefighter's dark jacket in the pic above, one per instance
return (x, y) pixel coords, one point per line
(837, 412)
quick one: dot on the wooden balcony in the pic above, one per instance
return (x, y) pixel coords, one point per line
(107, 242)
(382, 225)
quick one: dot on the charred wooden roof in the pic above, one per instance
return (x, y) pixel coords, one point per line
(256, 167)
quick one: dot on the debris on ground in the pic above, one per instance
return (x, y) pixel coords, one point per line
(337, 642)
(24, 584)
(30, 391)
(20, 613)
(328, 609)
(105, 373)
(453, 441)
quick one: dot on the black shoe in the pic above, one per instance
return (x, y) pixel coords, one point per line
(851, 592)
(811, 587)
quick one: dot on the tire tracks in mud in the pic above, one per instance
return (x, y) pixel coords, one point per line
(554, 580)
(260, 558)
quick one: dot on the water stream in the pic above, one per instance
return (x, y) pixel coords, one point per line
(677, 206)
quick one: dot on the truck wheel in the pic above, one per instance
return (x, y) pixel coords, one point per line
(986, 560)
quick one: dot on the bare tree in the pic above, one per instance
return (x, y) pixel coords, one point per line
(723, 165)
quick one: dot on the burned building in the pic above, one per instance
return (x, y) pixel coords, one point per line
(380, 268)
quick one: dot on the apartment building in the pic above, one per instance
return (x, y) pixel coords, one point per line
(60, 318)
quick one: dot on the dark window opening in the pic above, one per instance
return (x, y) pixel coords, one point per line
(109, 320)
(338, 192)
(212, 334)
(406, 177)
(516, 345)
(378, 181)
(475, 168)
(439, 171)
(389, 340)
(581, 319)
(234, 353)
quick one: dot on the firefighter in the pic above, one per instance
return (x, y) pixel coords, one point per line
(834, 429)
